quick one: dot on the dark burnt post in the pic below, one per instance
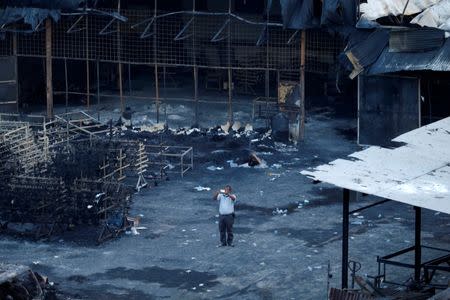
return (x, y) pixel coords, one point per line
(417, 244)
(345, 221)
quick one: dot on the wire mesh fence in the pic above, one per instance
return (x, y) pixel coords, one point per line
(181, 39)
(6, 44)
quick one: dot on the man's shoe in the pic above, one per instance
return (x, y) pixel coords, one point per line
(221, 245)
(231, 245)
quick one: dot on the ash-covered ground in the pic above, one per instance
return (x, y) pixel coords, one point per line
(287, 229)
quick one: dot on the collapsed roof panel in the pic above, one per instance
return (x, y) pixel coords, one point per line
(390, 62)
(437, 16)
(430, 13)
(340, 12)
(30, 16)
(365, 49)
(302, 14)
(387, 51)
(416, 173)
(375, 9)
(298, 14)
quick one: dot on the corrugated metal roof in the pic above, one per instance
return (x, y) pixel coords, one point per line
(390, 62)
(415, 39)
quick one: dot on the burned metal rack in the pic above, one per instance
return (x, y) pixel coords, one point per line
(141, 166)
(430, 267)
(35, 121)
(264, 108)
(170, 159)
(67, 171)
(18, 147)
(80, 122)
(102, 203)
(114, 165)
(38, 188)
(48, 208)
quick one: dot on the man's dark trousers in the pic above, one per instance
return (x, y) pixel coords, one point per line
(226, 229)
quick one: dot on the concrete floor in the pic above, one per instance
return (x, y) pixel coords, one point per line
(277, 256)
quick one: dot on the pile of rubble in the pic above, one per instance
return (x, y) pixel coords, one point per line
(20, 282)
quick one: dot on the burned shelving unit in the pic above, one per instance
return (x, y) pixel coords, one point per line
(74, 170)
(51, 177)
(170, 159)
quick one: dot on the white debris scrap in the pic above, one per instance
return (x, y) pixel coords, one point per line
(190, 131)
(214, 168)
(278, 211)
(267, 134)
(153, 128)
(236, 126)
(248, 128)
(226, 127)
(202, 188)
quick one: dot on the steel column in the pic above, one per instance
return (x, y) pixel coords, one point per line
(49, 67)
(302, 84)
(417, 244)
(345, 231)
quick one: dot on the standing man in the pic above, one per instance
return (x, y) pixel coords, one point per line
(226, 212)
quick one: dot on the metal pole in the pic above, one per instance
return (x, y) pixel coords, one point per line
(16, 69)
(417, 244)
(98, 90)
(67, 83)
(230, 95)
(164, 95)
(157, 93)
(194, 58)
(88, 86)
(129, 79)
(156, 63)
(196, 95)
(302, 84)
(119, 43)
(266, 73)
(48, 66)
(122, 104)
(345, 231)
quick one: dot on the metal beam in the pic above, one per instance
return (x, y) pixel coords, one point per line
(49, 67)
(216, 37)
(181, 36)
(345, 231)
(369, 206)
(302, 84)
(417, 244)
